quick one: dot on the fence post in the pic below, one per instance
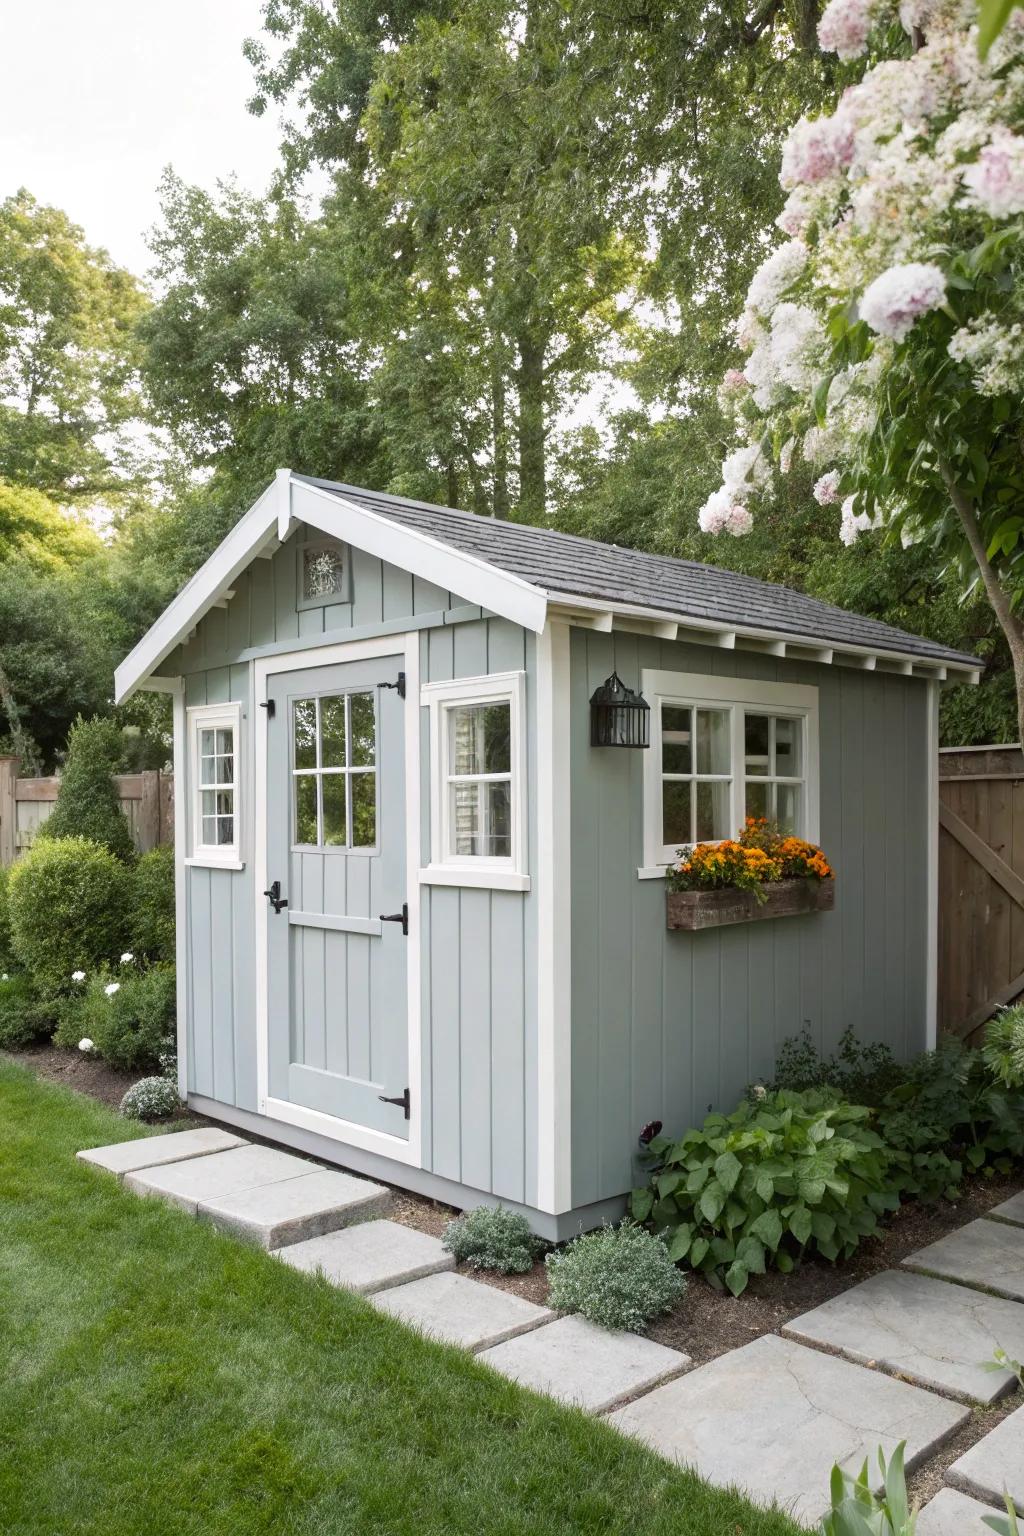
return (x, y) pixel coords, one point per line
(8, 809)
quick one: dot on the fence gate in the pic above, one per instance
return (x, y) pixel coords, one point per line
(981, 885)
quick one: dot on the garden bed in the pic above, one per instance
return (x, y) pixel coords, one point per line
(86, 1073)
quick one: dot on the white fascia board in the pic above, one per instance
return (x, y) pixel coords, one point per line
(567, 605)
(198, 595)
(470, 577)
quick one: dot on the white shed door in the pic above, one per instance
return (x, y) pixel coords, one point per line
(336, 867)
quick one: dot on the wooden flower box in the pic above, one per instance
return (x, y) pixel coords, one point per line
(690, 910)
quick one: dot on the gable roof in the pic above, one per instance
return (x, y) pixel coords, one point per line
(523, 573)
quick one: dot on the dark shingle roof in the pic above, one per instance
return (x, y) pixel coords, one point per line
(561, 562)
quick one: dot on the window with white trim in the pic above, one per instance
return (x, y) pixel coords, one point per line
(478, 781)
(215, 736)
(723, 749)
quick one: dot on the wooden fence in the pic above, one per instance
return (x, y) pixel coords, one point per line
(981, 884)
(147, 800)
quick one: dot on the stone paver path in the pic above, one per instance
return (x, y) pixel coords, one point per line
(1010, 1210)
(935, 1333)
(461, 1311)
(953, 1514)
(205, 1178)
(580, 1363)
(995, 1463)
(150, 1151)
(372, 1256)
(988, 1254)
(320, 1200)
(775, 1416)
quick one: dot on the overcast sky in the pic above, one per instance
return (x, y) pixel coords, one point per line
(100, 95)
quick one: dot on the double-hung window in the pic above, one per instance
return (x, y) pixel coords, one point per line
(723, 749)
(478, 781)
(215, 763)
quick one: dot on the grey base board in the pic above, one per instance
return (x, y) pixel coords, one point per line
(554, 1228)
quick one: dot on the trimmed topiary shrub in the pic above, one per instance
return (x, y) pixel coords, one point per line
(128, 1017)
(152, 1098)
(87, 803)
(492, 1238)
(68, 901)
(23, 1017)
(152, 913)
(618, 1277)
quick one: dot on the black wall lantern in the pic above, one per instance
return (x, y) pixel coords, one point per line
(618, 716)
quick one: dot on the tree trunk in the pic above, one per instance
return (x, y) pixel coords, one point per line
(998, 597)
(530, 381)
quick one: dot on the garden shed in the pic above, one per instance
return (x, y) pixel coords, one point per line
(421, 908)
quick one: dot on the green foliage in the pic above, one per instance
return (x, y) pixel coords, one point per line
(859, 1073)
(23, 1016)
(858, 1511)
(68, 901)
(128, 1016)
(152, 904)
(490, 1237)
(617, 1277)
(87, 803)
(35, 529)
(6, 952)
(151, 1098)
(785, 1174)
(1004, 1046)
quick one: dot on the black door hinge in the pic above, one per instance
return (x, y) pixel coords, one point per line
(397, 917)
(400, 685)
(268, 705)
(403, 1100)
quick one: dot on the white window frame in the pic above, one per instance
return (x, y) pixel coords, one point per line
(500, 874)
(736, 695)
(205, 717)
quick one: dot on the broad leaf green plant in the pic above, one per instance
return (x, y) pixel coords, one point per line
(783, 1175)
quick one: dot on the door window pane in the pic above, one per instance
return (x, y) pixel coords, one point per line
(364, 809)
(363, 748)
(304, 728)
(305, 809)
(332, 732)
(333, 791)
(334, 747)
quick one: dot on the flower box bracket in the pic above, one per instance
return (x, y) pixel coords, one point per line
(688, 911)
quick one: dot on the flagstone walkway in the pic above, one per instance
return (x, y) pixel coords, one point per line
(898, 1357)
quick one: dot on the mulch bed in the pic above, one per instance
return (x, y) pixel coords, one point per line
(85, 1073)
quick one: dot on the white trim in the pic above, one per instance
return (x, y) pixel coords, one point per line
(733, 694)
(554, 998)
(931, 1007)
(227, 716)
(400, 1149)
(481, 870)
(181, 947)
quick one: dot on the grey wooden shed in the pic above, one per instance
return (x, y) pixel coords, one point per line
(421, 919)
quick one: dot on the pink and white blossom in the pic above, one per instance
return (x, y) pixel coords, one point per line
(815, 149)
(723, 513)
(844, 27)
(852, 523)
(900, 296)
(995, 183)
(789, 447)
(775, 275)
(826, 490)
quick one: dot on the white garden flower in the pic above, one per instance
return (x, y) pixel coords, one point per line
(816, 149)
(789, 447)
(127, 957)
(993, 352)
(85, 1044)
(853, 523)
(739, 520)
(5, 977)
(995, 183)
(78, 976)
(775, 275)
(723, 513)
(112, 987)
(826, 490)
(897, 298)
(844, 27)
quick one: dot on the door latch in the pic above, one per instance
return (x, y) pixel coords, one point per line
(402, 1100)
(397, 917)
(277, 901)
(399, 685)
(268, 705)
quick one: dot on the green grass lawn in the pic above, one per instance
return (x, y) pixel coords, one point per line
(156, 1378)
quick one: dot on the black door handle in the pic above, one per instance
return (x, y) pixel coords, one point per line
(397, 917)
(275, 897)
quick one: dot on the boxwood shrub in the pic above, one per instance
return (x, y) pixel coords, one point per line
(152, 904)
(68, 902)
(24, 1017)
(783, 1175)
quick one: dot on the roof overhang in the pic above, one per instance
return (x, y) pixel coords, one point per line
(264, 528)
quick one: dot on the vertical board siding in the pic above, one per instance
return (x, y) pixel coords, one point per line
(479, 968)
(670, 1025)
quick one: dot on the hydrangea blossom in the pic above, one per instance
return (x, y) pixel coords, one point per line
(85, 1045)
(844, 27)
(899, 296)
(993, 352)
(826, 490)
(127, 957)
(816, 148)
(775, 275)
(995, 183)
(112, 987)
(78, 976)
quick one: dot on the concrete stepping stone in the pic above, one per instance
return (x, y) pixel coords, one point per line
(953, 1514)
(150, 1151)
(372, 1256)
(457, 1310)
(988, 1254)
(290, 1210)
(774, 1417)
(1011, 1210)
(577, 1362)
(995, 1463)
(185, 1184)
(936, 1333)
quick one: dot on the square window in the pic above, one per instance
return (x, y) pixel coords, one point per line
(323, 574)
